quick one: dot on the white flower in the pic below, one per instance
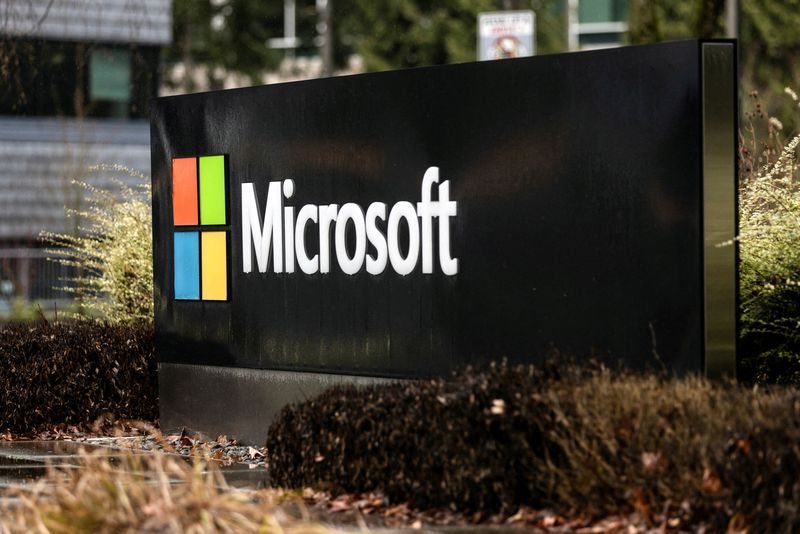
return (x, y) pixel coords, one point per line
(776, 123)
(791, 93)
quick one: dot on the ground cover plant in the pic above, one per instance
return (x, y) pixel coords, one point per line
(62, 373)
(578, 440)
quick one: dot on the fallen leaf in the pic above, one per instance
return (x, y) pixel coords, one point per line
(711, 483)
(254, 453)
(339, 505)
(641, 505)
(498, 407)
(744, 446)
(650, 460)
(395, 510)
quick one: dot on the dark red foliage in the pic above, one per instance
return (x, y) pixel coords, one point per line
(436, 443)
(75, 372)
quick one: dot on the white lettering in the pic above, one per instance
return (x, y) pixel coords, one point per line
(427, 211)
(350, 264)
(261, 236)
(279, 230)
(307, 265)
(288, 226)
(447, 208)
(403, 210)
(377, 264)
(327, 215)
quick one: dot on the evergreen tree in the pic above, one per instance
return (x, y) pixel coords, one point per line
(770, 54)
(391, 34)
(225, 36)
(769, 42)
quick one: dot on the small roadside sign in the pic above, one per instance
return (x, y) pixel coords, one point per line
(506, 34)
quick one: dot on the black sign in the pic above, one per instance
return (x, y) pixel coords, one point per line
(406, 223)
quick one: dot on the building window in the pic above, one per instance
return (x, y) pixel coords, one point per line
(110, 81)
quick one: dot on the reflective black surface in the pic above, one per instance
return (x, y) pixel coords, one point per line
(579, 189)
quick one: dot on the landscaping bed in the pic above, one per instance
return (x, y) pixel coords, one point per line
(559, 447)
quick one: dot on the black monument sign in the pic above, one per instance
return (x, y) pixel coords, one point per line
(403, 224)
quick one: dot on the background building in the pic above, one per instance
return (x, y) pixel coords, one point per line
(79, 76)
(595, 24)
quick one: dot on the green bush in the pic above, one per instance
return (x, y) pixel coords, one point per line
(769, 235)
(563, 438)
(75, 372)
(112, 252)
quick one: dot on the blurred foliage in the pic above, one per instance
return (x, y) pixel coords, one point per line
(225, 37)
(230, 36)
(769, 42)
(394, 34)
(112, 252)
(652, 21)
(770, 54)
(391, 34)
(122, 491)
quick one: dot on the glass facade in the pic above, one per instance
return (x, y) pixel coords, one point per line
(69, 79)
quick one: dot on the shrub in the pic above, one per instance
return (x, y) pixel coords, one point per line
(75, 372)
(769, 235)
(382, 438)
(575, 439)
(770, 251)
(758, 471)
(112, 252)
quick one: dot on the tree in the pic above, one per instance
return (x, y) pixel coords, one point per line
(391, 34)
(652, 21)
(770, 54)
(225, 36)
(769, 43)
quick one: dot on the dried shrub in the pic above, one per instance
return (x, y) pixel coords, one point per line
(758, 472)
(112, 252)
(142, 493)
(75, 372)
(576, 439)
(418, 440)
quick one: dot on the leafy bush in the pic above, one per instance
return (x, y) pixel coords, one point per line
(563, 438)
(71, 373)
(112, 252)
(769, 235)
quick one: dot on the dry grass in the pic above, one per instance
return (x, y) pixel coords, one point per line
(143, 493)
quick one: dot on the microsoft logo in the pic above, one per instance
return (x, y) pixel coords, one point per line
(201, 227)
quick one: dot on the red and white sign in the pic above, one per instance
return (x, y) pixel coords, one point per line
(505, 34)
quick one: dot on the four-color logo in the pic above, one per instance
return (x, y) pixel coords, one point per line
(200, 218)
